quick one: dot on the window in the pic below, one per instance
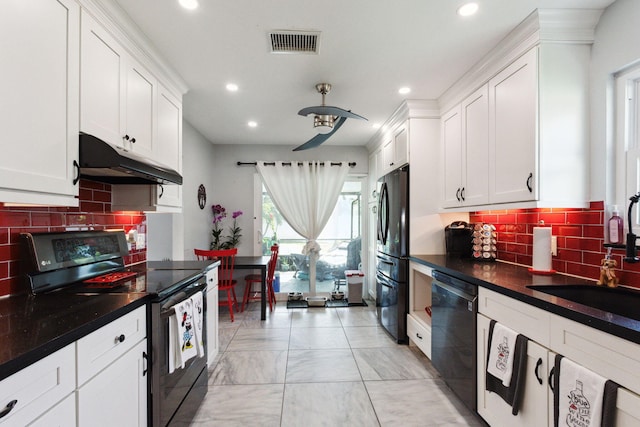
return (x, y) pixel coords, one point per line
(340, 242)
(627, 137)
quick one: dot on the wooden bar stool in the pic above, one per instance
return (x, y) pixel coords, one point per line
(251, 279)
(226, 283)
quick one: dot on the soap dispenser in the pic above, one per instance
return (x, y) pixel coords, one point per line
(616, 227)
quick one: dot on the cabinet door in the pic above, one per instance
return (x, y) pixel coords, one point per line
(627, 409)
(475, 131)
(40, 99)
(212, 316)
(38, 387)
(387, 157)
(513, 135)
(168, 143)
(139, 110)
(401, 147)
(101, 88)
(452, 162)
(535, 406)
(117, 396)
(61, 415)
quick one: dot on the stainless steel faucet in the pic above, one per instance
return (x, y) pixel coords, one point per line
(631, 238)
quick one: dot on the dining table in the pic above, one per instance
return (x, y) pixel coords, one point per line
(256, 263)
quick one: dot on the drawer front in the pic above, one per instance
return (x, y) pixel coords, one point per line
(61, 415)
(610, 356)
(212, 278)
(102, 347)
(419, 335)
(523, 318)
(38, 387)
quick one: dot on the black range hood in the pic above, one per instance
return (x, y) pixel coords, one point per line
(102, 162)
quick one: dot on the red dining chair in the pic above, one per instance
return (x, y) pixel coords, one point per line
(225, 274)
(251, 279)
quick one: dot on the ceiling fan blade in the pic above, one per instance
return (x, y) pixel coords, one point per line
(326, 110)
(321, 137)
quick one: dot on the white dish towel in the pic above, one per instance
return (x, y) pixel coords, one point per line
(197, 302)
(182, 343)
(580, 394)
(501, 353)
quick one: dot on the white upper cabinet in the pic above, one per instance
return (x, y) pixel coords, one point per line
(524, 136)
(117, 93)
(39, 107)
(395, 151)
(512, 131)
(452, 163)
(102, 89)
(465, 146)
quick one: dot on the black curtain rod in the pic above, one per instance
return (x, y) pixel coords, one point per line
(351, 164)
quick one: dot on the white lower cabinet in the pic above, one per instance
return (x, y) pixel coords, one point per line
(605, 354)
(37, 389)
(212, 315)
(112, 373)
(418, 320)
(117, 396)
(537, 404)
(61, 415)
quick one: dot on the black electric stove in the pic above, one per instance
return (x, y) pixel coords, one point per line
(92, 262)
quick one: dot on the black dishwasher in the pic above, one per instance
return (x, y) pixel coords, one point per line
(453, 334)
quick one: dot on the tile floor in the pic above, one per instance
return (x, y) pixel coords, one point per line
(322, 367)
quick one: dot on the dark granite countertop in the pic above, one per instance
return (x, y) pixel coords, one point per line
(34, 326)
(512, 280)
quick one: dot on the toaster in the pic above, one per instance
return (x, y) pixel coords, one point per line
(459, 239)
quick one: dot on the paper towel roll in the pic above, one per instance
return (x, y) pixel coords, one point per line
(542, 248)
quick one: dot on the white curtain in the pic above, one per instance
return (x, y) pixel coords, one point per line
(305, 193)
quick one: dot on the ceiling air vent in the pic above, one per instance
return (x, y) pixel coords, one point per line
(294, 41)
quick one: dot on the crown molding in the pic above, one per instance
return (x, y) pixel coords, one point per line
(542, 26)
(408, 109)
(133, 39)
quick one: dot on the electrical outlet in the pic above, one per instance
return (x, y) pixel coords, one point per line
(554, 245)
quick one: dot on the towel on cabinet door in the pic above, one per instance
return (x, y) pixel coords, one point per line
(197, 302)
(508, 358)
(582, 397)
(182, 343)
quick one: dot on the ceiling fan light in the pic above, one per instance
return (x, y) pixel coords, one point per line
(323, 123)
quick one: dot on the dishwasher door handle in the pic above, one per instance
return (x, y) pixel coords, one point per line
(456, 291)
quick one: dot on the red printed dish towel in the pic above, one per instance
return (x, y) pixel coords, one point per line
(182, 343)
(501, 353)
(582, 398)
(198, 319)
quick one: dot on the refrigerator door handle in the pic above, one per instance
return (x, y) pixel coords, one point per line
(383, 214)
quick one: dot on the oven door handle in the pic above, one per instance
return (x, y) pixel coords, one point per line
(167, 310)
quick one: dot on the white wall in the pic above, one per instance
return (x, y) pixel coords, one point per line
(234, 187)
(616, 46)
(174, 236)
(198, 159)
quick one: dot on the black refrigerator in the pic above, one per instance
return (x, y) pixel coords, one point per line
(392, 257)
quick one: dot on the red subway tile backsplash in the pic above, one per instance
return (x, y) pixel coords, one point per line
(94, 213)
(580, 237)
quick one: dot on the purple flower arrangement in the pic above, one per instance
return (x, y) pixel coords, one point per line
(225, 242)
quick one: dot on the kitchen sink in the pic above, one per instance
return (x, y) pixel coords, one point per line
(620, 301)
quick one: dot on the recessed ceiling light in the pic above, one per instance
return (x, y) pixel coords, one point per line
(188, 4)
(404, 90)
(252, 124)
(468, 9)
(232, 87)
(376, 125)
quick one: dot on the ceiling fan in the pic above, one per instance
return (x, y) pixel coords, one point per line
(328, 119)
